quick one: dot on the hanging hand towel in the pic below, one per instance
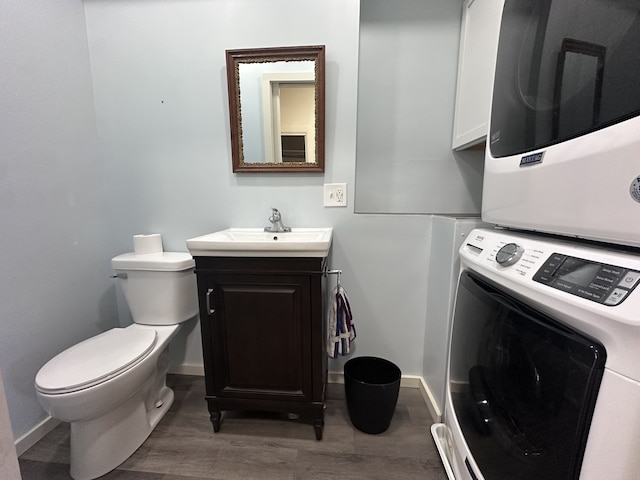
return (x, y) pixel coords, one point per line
(342, 331)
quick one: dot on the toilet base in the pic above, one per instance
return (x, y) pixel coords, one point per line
(101, 444)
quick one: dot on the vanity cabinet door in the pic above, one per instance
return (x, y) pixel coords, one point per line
(476, 64)
(260, 336)
(263, 335)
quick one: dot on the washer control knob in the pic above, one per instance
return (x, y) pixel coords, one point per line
(509, 254)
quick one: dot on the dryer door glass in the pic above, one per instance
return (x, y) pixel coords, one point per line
(523, 385)
(563, 70)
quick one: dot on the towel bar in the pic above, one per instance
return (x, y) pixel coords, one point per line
(333, 272)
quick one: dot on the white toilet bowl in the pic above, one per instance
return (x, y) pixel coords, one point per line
(111, 388)
(111, 413)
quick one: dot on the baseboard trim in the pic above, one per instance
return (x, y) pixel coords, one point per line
(33, 436)
(188, 369)
(429, 399)
(26, 441)
(407, 381)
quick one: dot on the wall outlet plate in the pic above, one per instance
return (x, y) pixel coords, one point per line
(335, 194)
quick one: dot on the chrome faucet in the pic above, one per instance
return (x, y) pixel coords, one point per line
(276, 222)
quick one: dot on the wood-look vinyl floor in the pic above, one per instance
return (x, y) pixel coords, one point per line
(262, 446)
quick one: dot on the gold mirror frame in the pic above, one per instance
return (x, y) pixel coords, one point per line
(269, 55)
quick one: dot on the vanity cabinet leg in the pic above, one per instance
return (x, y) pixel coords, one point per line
(215, 418)
(318, 425)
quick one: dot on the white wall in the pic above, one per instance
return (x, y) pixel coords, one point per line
(158, 159)
(54, 245)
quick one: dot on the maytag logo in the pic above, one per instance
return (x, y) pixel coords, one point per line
(531, 159)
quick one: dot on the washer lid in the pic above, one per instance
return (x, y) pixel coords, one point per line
(95, 360)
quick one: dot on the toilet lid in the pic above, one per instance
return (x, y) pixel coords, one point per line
(95, 360)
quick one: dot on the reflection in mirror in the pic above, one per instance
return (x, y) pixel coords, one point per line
(578, 87)
(288, 110)
(276, 107)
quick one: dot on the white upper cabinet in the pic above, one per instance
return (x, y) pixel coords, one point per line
(476, 65)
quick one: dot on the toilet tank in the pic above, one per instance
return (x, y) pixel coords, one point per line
(160, 288)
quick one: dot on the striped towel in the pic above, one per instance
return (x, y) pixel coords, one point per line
(342, 331)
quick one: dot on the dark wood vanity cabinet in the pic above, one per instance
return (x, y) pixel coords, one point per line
(263, 335)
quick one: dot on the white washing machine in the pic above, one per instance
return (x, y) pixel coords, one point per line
(543, 378)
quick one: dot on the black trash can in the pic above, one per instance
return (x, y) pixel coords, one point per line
(371, 387)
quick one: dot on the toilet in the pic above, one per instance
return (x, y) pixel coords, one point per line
(112, 387)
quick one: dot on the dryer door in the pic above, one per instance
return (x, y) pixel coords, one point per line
(523, 385)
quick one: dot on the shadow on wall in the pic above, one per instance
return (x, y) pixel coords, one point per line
(187, 341)
(470, 164)
(112, 310)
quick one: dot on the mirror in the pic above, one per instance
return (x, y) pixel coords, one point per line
(276, 108)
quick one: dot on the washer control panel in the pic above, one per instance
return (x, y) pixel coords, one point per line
(598, 282)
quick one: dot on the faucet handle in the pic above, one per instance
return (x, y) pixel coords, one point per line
(276, 222)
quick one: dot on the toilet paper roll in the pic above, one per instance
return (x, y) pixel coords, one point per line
(144, 244)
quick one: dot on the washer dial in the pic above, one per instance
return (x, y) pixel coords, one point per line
(509, 254)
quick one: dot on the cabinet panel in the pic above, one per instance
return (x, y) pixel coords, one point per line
(263, 338)
(476, 65)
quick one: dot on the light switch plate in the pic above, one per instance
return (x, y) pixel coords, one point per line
(335, 194)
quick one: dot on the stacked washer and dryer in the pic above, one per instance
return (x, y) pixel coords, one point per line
(543, 376)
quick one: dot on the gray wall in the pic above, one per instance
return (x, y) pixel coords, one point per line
(406, 92)
(55, 241)
(447, 236)
(9, 468)
(157, 159)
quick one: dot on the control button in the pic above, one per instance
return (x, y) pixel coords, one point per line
(546, 270)
(590, 294)
(566, 286)
(629, 279)
(509, 254)
(543, 277)
(611, 270)
(603, 287)
(605, 279)
(616, 296)
(555, 261)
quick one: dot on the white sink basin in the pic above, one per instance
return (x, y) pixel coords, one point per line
(255, 242)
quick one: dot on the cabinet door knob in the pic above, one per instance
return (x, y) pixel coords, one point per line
(210, 310)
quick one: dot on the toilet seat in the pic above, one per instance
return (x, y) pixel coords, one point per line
(95, 360)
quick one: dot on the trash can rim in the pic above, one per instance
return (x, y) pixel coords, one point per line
(397, 371)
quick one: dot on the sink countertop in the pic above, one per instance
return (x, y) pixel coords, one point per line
(255, 242)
